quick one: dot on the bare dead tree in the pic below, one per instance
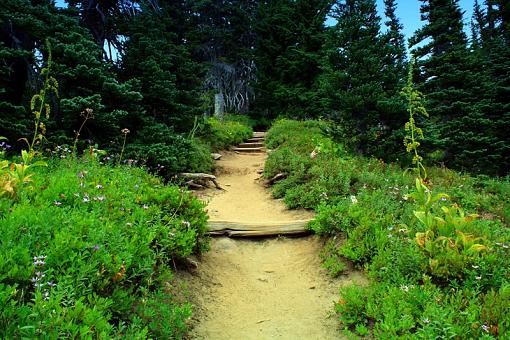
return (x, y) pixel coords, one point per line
(231, 83)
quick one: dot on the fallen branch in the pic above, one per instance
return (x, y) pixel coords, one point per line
(201, 177)
(276, 178)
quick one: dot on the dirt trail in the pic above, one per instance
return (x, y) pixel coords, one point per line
(265, 288)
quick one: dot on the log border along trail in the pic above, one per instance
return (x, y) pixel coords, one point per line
(260, 288)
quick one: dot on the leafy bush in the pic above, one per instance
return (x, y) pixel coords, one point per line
(436, 269)
(166, 153)
(220, 135)
(85, 253)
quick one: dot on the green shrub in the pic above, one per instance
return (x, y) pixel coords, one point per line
(88, 246)
(220, 135)
(166, 153)
(436, 270)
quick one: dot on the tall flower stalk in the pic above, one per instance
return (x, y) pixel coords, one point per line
(414, 134)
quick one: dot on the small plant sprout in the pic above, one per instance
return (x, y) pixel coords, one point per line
(125, 133)
(86, 114)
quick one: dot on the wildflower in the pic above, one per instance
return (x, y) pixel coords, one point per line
(354, 200)
(186, 223)
(443, 199)
(99, 198)
(5, 146)
(478, 277)
(82, 184)
(475, 267)
(125, 131)
(39, 263)
(403, 231)
(82, 174)
(405, 197)
(99, 186)
(39, 260)
(46, 295)
(96, 247)
(145, 206)
(52, 284)
(57, 203)
(129, 224)
(86, 198)
(485, 328)
(404, 288)
(426, 321)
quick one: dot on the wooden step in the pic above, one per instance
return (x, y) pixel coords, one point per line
(256, 140)
(250, 145)
(241, 229)
(259, 134)
(249, 149)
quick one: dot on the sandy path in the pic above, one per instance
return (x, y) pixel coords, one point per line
(261, 289)
(246, 199)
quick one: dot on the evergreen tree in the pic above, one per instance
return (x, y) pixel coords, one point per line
(289, 43)
(467, 112)
(351, 83)
(85, 81)
(440, 47)
(395, 59)
(160, 61)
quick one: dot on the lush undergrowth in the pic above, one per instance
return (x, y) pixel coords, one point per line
(87, 244)
(174, 153)
(220, 135)
(439, 264)
(86, 252)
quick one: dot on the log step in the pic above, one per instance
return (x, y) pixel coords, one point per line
(250, 145)
(249, 149)
(241, 229)
(256, 140)
(259, 134)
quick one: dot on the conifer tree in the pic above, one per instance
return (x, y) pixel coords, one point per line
(288, 47)
(351, 84)
(440, 48)
(161, 62)
(86, 82)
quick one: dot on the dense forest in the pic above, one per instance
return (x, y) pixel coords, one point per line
(399, 149)
(157, 67)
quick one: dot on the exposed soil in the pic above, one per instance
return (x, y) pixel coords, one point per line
(260, 288)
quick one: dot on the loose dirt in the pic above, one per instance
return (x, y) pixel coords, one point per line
(260, 288)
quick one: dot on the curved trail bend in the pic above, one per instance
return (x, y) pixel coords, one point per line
(260, 288)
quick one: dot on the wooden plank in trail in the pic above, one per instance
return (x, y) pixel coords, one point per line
(241, 229)
(249, 149)
(250, 145)
(256, 140)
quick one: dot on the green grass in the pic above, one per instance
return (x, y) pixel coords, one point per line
(442, 289)
(86, 252)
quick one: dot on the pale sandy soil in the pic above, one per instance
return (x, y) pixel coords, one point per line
(260, 288)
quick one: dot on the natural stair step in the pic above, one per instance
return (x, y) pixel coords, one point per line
(256, 140)
(259, 134)
(249, 149)
(242, 229)
(251, 145)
